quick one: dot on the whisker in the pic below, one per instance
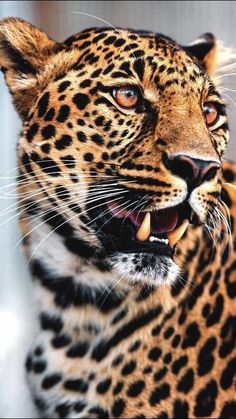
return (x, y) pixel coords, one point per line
(144, 198)
(226, 75)
(24, 200)
(229, 185)
(140, 202)
(26, 207)
(19, 167)
(110, 218)
(76, 215)
(228, 89)
(230, 98)
(106, 211)
(222, 68)
(185, 284)
(104, 194)
(51, 232)
(110, 287)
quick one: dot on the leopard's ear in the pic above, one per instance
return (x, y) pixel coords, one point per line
(211, 53)
(24, 51)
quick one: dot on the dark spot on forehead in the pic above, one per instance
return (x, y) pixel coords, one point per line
(110, 40)
(99, 37)
(139, 66)
(85, 45)
(119, 42)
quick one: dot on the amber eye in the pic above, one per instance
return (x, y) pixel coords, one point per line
(210, 113)
(126, 96)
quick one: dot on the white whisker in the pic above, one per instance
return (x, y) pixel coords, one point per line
(76, 215)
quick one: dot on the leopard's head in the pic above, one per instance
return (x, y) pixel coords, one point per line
(122, 140)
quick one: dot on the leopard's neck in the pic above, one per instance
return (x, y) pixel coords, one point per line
(92, 303)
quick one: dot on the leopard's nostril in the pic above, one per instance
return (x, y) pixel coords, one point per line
(193, 171)
(210, 171)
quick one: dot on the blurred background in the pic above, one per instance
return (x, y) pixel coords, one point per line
(182, 20)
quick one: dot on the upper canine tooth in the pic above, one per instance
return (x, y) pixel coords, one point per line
(145, 229)
(175, 236)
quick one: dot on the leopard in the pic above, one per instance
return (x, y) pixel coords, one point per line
(127, 211)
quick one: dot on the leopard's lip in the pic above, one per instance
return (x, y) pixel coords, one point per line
(160, 226)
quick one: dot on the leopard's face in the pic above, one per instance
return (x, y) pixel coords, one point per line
(126, 146)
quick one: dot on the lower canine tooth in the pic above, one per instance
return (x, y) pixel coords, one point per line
(145, 229)
(175, 236)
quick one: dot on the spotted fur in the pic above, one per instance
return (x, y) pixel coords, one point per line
(123, 334)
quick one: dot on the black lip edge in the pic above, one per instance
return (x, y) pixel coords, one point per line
(150, 249)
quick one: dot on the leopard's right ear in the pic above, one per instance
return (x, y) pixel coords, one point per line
(212, 55)
(24, 51)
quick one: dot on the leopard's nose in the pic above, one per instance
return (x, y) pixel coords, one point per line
(193, 171)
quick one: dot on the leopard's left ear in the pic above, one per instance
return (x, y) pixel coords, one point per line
(211, 53)
(24, 52)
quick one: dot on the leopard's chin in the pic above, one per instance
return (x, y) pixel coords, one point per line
(145, 268)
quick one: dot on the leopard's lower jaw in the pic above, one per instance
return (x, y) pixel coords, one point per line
(145, 269)
(131, 269)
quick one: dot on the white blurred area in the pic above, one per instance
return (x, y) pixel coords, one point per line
(16, 308)
(184, 21)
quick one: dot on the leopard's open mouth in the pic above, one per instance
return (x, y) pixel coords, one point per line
(156, 231)
(164, 226)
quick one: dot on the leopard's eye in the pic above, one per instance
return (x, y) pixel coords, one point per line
(210, 113)
(126, 96)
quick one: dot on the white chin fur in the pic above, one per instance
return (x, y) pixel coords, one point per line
(146, 268)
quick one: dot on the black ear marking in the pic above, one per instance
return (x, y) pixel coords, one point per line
(24, 52)
(19, 62)
(201, 47)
